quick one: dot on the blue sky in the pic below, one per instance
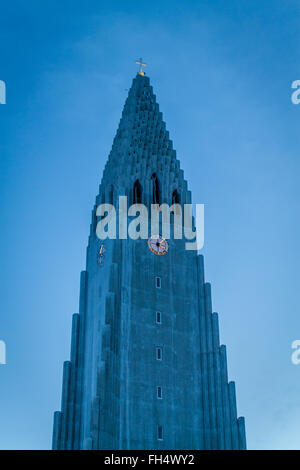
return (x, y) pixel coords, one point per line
(222, 72)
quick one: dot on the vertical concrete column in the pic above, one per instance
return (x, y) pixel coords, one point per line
(64, 402)
(203, 354)
(73, 382)
(242, 433)
(81, 348)
(233, 416)
(210, 364)
(225, 398)
(56, 437)
(218, 384)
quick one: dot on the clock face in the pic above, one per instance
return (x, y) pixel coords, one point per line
(101, 254)
(158, 245)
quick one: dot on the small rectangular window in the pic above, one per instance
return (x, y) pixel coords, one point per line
(158, 282)
(159, 392)
(158, 317)
(160, 433)
(159, 354)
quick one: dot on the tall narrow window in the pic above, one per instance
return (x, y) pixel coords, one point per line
(159, 353)
(158, 317)
(175, 197)
(160, 433)
(176, 201)
(95, 219)
(155, 189)
(137, 193)
(158, 282)
(159, 393)
(111, 194)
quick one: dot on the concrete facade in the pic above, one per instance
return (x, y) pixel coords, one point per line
(138, 379)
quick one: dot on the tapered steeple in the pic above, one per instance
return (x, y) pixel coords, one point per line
(142, 146)
(147, 370)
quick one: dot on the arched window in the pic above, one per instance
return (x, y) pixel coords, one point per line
(94, 219)
(175, 197)
(137, 192)
(111, 195)
(155, 189)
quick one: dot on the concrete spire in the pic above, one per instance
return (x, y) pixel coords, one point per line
(109, 396)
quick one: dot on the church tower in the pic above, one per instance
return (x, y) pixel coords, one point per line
(146, 370)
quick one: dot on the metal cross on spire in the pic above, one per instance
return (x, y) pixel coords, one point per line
(141, 64)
